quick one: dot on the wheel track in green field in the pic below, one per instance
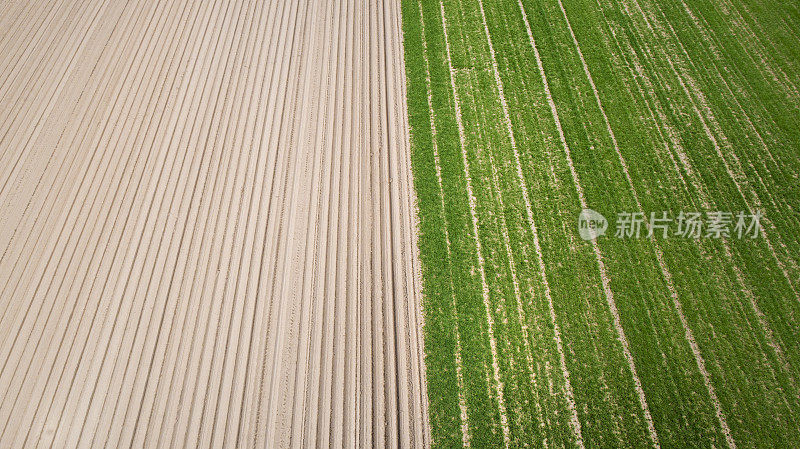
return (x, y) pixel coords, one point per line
(574, 421)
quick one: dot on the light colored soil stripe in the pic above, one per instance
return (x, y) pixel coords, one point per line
(519, 300)
(601, 265)
(689, 335)
(478, 247)
(462, 402)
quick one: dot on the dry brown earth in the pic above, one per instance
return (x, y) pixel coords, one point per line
(206, 226)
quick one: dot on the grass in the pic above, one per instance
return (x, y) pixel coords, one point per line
(699, 99)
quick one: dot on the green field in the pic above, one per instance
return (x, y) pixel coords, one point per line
(525, 112)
